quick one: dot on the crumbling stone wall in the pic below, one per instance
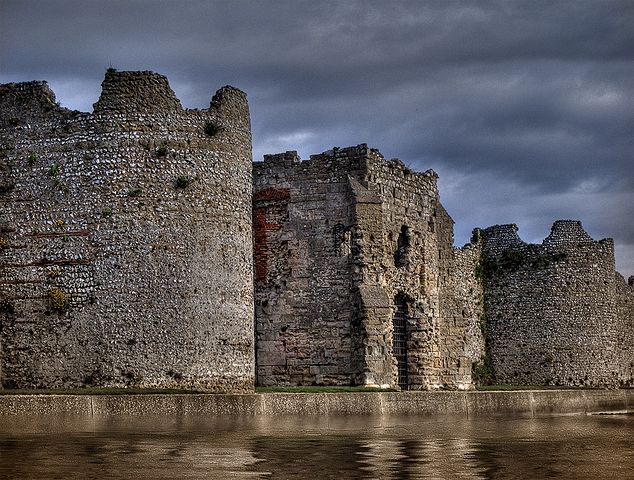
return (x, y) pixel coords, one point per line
(625, 304)
(304, 303)
(462, 326)
(125, 244)
(552, 310)
(342, 240)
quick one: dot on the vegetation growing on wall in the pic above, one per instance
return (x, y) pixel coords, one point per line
(182, 182)
(58, 299)
(482, 372)
(6, 187)
(6, 306)
(161, 151)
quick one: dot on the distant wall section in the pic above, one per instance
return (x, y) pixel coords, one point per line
(552, 310)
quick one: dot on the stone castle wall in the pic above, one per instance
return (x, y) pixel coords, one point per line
(625, 319)
(341, 242)
(126, 248)
(304, 304)
(552, 310)
(135, 241)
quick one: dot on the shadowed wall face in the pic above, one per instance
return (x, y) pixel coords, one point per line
(126, 239)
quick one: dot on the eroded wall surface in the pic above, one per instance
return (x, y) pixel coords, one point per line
(342, 241)
(126, 248)
(552, 310)
(625, 304)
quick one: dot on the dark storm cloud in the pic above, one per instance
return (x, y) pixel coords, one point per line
(524, 108)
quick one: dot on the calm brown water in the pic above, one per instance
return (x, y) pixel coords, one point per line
(576, 447)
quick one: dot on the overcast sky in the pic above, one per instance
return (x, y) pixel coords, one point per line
(525, 109)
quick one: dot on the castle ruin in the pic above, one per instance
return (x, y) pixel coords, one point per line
(139, 246)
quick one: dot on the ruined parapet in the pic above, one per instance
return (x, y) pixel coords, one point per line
(500, 238)
(567, 232)
(125, 255)
(551, 309)
(24, 103)
(136, 93)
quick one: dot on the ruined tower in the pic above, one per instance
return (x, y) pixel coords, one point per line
(557, 313)
(125, 239)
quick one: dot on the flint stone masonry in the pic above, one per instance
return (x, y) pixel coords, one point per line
(125, 243)
(556, 313)
(340, 240)
(136, 242)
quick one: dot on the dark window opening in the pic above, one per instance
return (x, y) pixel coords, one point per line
(399, 341)
(402, 248)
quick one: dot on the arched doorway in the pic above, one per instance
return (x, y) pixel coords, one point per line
(399, 340)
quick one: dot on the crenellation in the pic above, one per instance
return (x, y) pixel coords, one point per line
(567, 232)
(134, 93)
(22, 104)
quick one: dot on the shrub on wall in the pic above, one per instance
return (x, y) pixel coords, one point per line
(482, 371)
(182, 182)
(58, 299)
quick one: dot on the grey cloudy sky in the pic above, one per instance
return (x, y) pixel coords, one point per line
(525, 109)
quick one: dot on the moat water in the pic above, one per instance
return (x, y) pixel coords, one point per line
(574, 447)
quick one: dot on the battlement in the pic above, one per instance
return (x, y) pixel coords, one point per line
(500, 237)
(26, 101)
(568, 232)
(563, 234)
(129, 94)
(286, 159)
(143, 92)
(361, 161)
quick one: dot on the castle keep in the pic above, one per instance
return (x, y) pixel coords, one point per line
(353, 274)
(139, 246)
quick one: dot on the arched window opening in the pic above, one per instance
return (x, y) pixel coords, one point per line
(402, 247)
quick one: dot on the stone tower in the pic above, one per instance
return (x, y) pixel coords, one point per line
(357, 281)
(125, 242)
(557, 313)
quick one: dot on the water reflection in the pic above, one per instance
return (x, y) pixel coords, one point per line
(321, 448)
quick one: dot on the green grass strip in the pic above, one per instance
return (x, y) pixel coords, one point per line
(319, 389)
(97, 391)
